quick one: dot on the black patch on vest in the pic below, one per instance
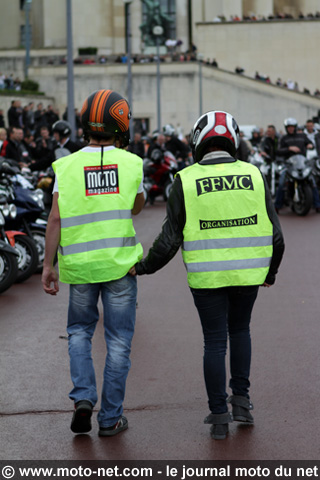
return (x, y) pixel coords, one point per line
(223, 184)
(234, 222)
(101, 183)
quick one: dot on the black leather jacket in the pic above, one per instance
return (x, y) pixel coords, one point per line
(317, 143)
(296, 140)
(270, 145)
(170, 238)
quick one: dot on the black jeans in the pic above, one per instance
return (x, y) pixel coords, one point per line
(225, 311)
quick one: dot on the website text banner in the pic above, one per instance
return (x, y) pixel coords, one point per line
(160, 470)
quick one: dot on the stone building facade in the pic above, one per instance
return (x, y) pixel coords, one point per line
(101, 23)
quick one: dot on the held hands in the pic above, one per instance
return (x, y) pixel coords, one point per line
(50, 277)
(132, 271)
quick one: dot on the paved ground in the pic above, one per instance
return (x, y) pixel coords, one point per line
(166, 400)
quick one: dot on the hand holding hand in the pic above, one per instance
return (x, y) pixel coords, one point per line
(132, 271)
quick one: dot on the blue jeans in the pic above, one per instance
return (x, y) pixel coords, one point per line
(225, 311)
(119, 314)
(280, 190)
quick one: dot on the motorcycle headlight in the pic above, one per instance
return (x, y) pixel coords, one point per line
(307, 171)
(39, 193)
(5, 209)
(37, 196)
(12, 210)
(2, 220)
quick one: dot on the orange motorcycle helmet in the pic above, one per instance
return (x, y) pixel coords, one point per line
(105, 113)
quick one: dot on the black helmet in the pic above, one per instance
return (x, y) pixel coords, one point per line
(106, 112)
(62, 127)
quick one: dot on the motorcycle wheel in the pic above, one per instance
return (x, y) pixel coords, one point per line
(39, 238)
(167, 189)
(303, 207)
(28, 257)
(8, 270)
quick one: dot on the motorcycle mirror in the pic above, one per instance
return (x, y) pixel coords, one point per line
(6, 168)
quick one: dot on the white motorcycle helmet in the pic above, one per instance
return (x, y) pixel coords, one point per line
(217, 128)
(168, 130)
(290, 122)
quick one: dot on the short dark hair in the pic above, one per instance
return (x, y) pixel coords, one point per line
(221, 143)
(10, 129)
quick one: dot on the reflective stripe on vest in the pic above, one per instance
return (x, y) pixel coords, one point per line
(228, 236)
(211, 243)
(98, 245)
(228, 265)
(95, 217)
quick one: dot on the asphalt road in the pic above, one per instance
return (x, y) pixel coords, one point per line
(166, 400)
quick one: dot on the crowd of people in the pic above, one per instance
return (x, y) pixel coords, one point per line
(289, 84)
(9, 82)
(268, 141)
(273, 146)
(262, 18)
(29, 137)
(34, 133)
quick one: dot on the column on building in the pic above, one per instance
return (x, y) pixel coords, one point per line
(224, 8)
(54, 24)
(309, 6)
(258, 8)
(295, 7)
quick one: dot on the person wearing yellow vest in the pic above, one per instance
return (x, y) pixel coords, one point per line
(97, 191)
(221, 214)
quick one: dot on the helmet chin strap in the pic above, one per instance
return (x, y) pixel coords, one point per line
(102, 175)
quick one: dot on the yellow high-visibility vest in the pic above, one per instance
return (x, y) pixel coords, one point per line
(228, 235)
(98, 241)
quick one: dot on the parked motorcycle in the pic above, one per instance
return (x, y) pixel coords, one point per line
(29, 219)
(298, 186)
(159, 173)
(28, 257)
(29, 216)
(8, 264)
(270, 169)
(24, 246)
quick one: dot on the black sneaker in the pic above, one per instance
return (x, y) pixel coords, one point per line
(122, 424)
(81, 420)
